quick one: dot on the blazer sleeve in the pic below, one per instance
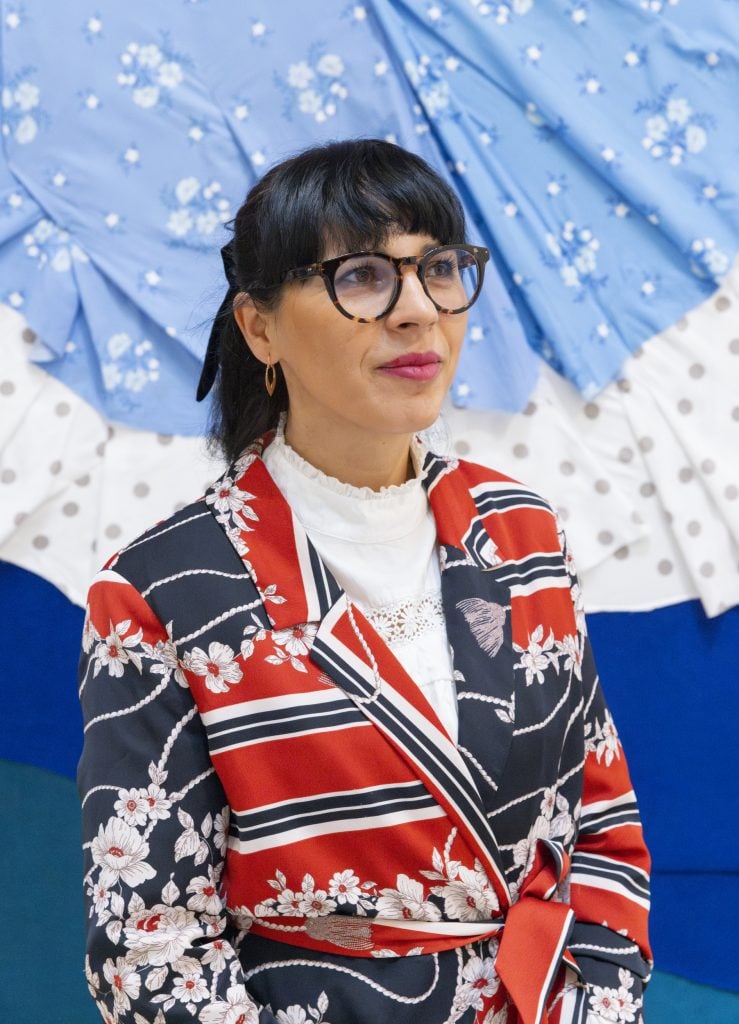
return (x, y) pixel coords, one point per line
(155, 823)
(609, 883)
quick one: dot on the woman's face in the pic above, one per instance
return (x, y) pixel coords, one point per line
(345, 375)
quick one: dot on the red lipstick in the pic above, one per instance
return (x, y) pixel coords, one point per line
(420, 366)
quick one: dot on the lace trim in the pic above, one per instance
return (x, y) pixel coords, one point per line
(407, 620)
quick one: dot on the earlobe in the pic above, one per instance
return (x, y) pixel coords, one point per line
(253, 326)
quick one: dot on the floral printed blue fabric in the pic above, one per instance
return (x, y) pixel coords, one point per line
(591, 145)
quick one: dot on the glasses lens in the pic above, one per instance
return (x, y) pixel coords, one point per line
(364, 285)
(451, 278)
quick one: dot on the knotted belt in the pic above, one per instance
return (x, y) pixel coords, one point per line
(532, 935)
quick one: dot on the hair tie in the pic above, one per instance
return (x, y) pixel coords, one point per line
(211, 361)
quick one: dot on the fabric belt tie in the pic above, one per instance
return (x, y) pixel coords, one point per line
(533, 935)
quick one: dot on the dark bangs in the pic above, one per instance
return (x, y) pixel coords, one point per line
(345, 197)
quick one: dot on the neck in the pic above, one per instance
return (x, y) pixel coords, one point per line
(349, 456)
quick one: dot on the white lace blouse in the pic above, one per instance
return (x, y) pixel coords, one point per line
(381, 548)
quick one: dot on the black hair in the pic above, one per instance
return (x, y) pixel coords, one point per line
(348, 196)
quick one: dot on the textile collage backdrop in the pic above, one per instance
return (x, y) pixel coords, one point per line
(594, 146)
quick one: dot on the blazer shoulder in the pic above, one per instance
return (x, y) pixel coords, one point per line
(481, 479)
(186, 543)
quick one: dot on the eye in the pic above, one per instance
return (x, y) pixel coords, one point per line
(441, 267)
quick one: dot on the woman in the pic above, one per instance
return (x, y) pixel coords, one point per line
(371, 660)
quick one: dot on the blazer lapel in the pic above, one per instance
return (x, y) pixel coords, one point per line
(477, 610)
(296, 588)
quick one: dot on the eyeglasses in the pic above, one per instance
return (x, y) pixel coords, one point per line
(365, 286)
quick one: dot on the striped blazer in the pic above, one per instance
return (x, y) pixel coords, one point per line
(278, 827)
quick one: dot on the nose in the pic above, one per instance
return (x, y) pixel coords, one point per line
(414, 308)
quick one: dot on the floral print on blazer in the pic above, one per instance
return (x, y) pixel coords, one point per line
(277, 825)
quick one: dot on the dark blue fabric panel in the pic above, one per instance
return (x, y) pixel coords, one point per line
(40, 634)
(671, 679)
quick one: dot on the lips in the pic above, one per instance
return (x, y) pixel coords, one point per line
(412, 359)
(414, 366)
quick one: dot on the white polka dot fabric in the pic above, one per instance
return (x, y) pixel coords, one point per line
(645, 476)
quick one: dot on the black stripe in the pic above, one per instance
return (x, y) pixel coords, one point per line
(506, 500)
(617, 874)
(466, 796)
(276, 715)
(254, 733)
(346, 812)
(327, 589)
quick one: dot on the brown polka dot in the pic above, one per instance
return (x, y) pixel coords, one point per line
(697, 370)
(83, 481)
(40, 542)
(605, 537)
(722, 303)
(668, 515)
(460, 446)
(164, 439)
(685, 406)
(113, 531)
(55, 468)
(693, 528)
(682, 323)
(7, 476)
(646, 444)
(626, 454)
(734, 346)
(708, 466)
(731, 492)
(19, 517)
(62, 408)
(685, 475)
(637, 353)
(520, 451)
(707, 569)
(624, 385)
(28, 335)
(179, 505)
(602, 486)
(110, 432)
(647, 489)
(564, 514)
(566, 468)
(664, 567)
(591, 410)
(70, 508)
(637, 518)
(94, 545)
(100, 449)
(735, 413)
(622, 552)
(530, 409)
(7, 387)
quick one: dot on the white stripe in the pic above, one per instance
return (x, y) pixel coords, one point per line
(544, 583)
(310, 731)
(554, 966)
(502, 485)
(608, 885)
(110, 576)
(598, 806)
(334, 827)
(382, 801)
(294, 802)
(255, 707)
(306, 572)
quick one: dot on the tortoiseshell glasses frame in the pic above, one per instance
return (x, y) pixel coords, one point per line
(327, 269)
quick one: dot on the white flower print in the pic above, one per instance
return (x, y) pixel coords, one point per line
(229, 499)
(121, 853)
(190, 988)
(149, 56)
(315, 902)
(678, 110)
(292, 1015)
(217, 666)
(170, 74)
(216, 957)
(330, 64)
(673, 128)
(252, 635)
(344, 887)
(117, 650)
(237, 1008)
(205, 898)
(309, 101)
(220, 830)
(607, 745)
(146, 96)
(297, 640)
(470, 897)
(695, 138)
(571, 651)
(131, 806)
(299, 75)
(100, 900)
(152, 72)
(27, 95)
(406, 902)
(160, 935)
(288, 902)
(124, 982)
(537, 657)
(480, 979)
(179, 223)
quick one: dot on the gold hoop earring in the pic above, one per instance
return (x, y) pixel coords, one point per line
(270, 377)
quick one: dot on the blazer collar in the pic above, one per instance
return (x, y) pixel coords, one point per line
(296, 587)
